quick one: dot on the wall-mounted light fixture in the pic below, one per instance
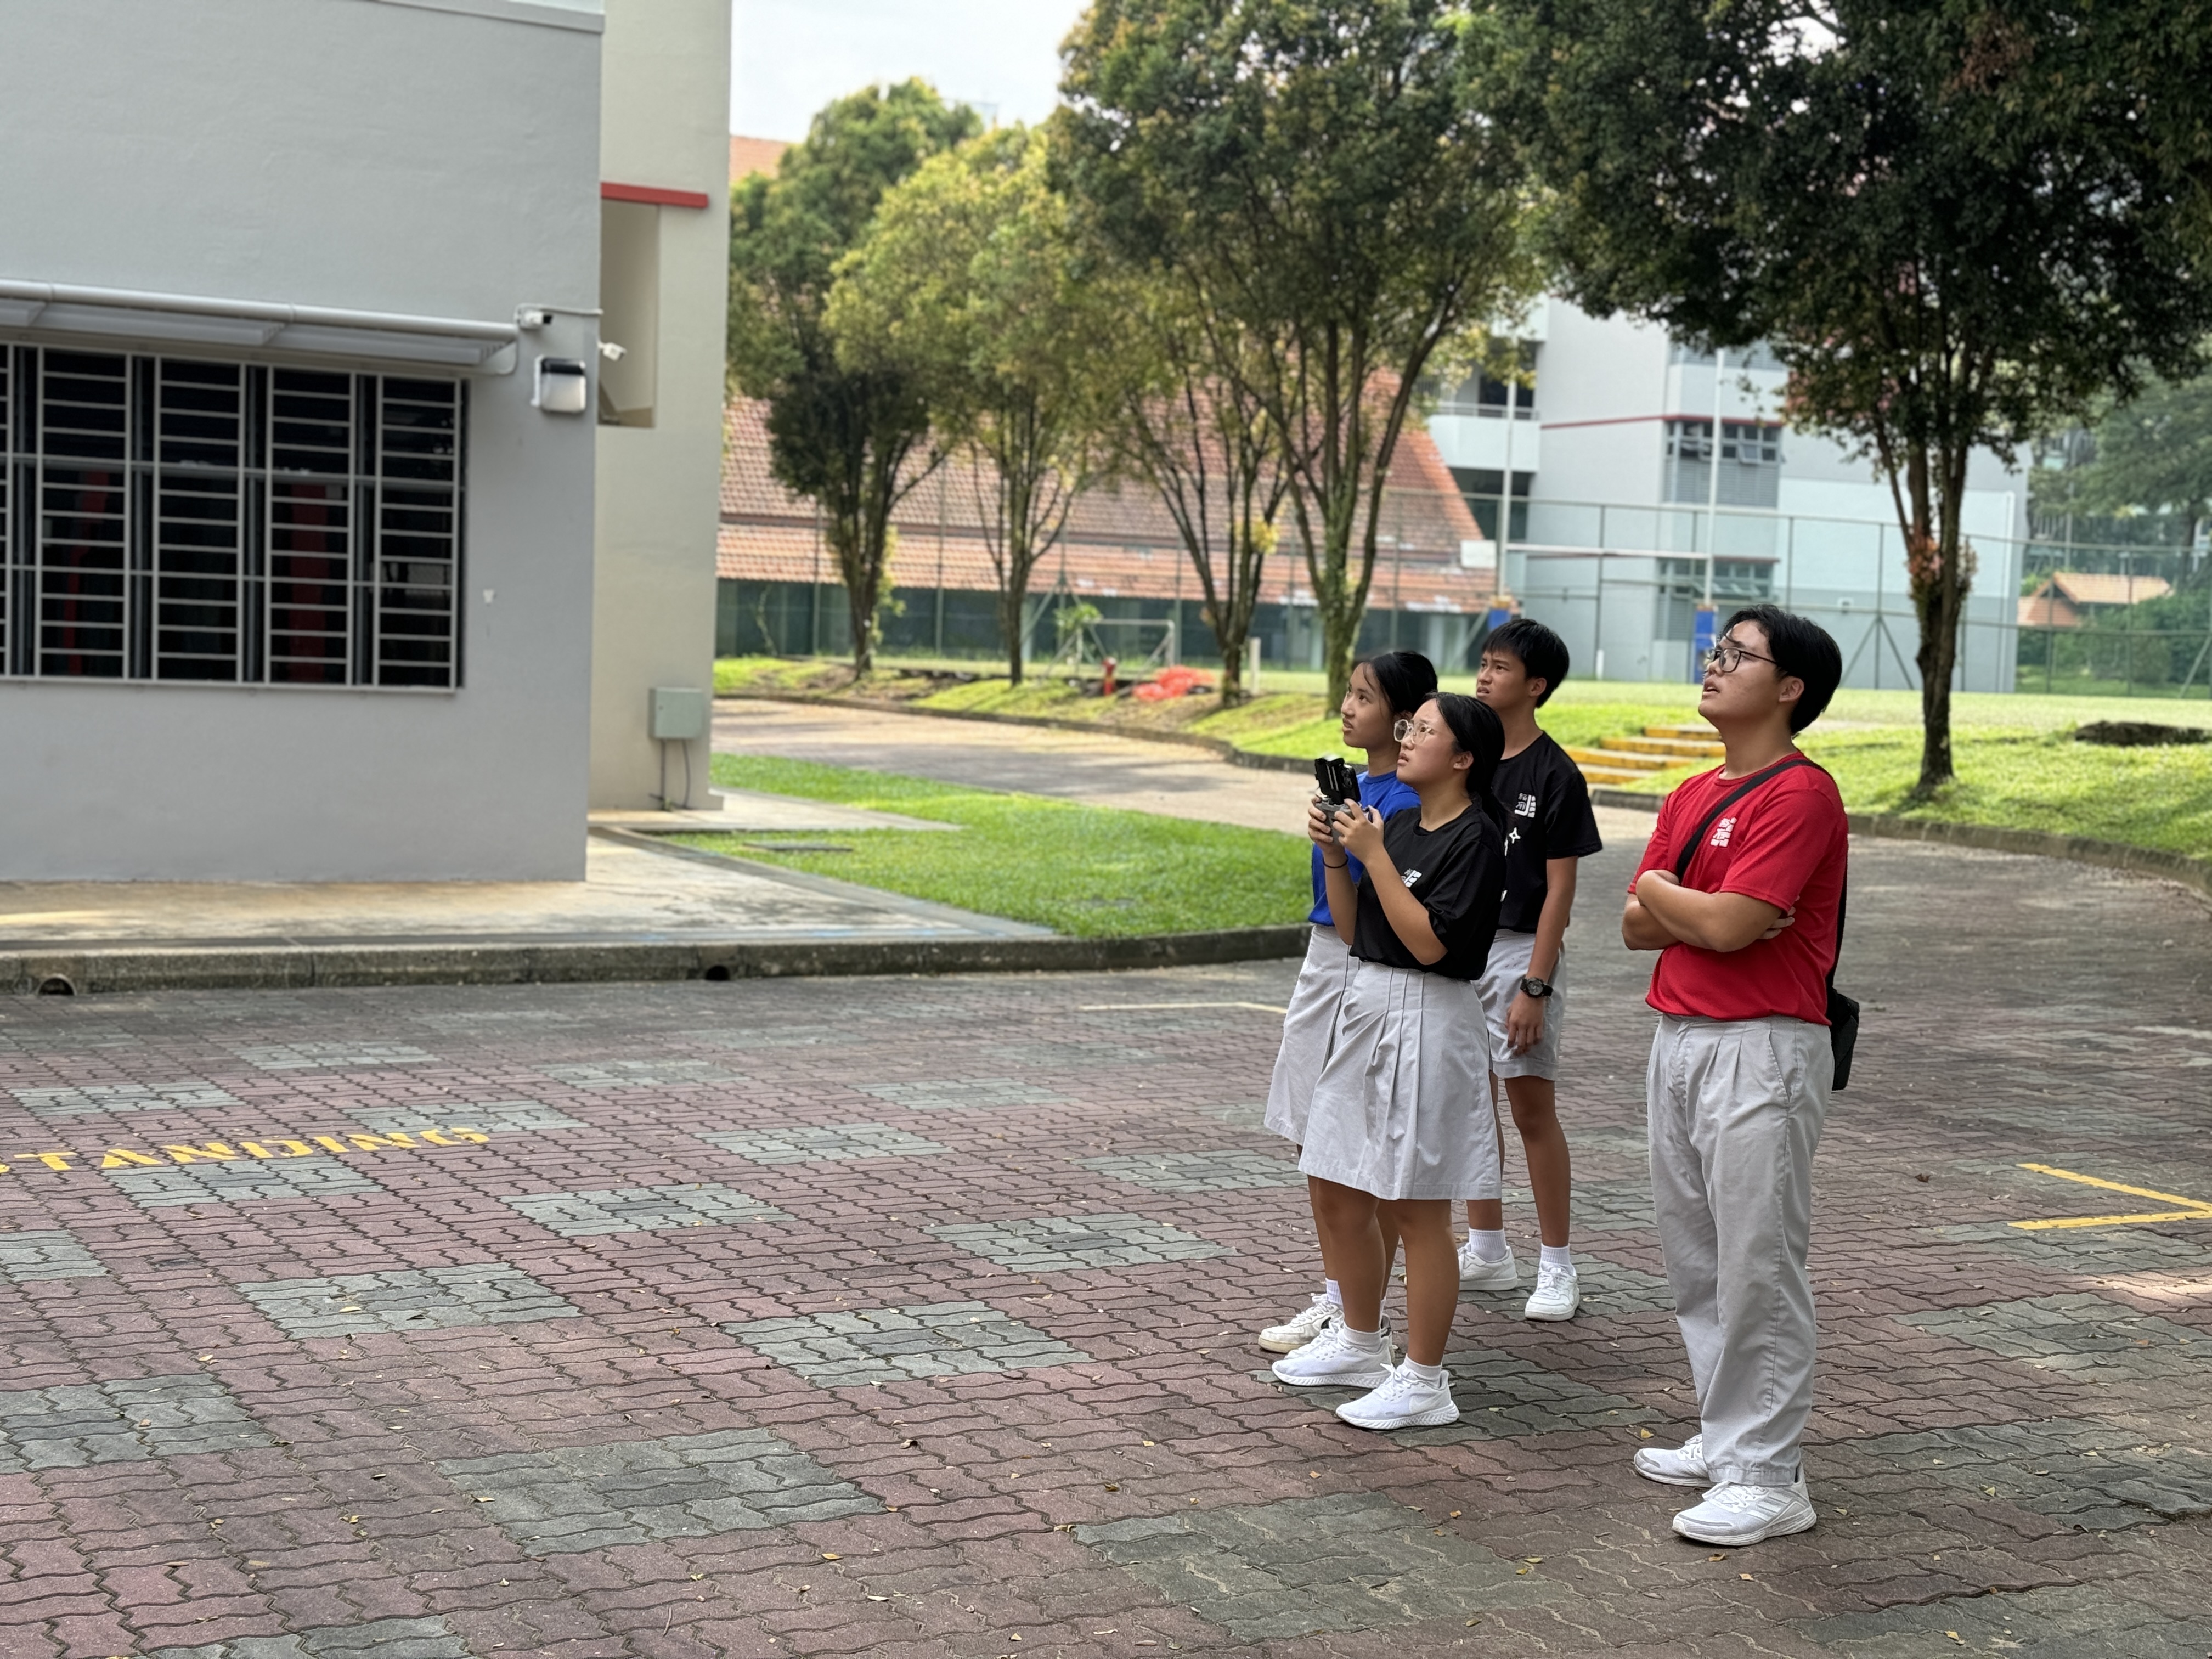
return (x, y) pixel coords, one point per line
(563, 387)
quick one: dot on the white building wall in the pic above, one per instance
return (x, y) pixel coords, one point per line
(1606, 388)
(666, 90)
(429, 157)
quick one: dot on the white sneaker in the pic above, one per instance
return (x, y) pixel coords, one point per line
(1403, 1400)
(1476, 1274)
(1683, 1466)
(1747, 1514)
(1337, 1358)
(1558, 1293)
(1294, 1334)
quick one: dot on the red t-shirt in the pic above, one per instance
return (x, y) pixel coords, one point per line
(1785, 842)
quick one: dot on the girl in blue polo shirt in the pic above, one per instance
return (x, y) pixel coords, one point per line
(1384, 692)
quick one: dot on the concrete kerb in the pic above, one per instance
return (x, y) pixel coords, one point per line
(2194, 874)
(92, 970)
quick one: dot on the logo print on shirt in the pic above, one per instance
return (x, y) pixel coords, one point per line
(1722, 830)
(1525, 807)
(1411, 876)
(1513, 835)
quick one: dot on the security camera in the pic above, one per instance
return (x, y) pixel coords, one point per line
(532, 317)
(611, 352)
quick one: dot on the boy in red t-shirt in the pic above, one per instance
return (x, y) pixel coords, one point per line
(1746, 926)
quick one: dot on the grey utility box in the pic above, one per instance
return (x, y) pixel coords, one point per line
(679, 714)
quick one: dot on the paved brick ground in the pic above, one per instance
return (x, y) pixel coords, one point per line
(912, 1317)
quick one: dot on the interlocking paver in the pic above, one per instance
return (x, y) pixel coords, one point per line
(244, 1181)
(2061, 1622)
(835, 1143)
(1353, 1561)
(87, 1099)
(1058, 1244)
(1607, 1287)
(643, 1209)
(614, 1075)
(1502, 1396)
(318, 1056)
(77, 1425)
(592, 1498)
(411, 1299)
(492, 1116)
(883, 1344)
(962, 1094)
(380, 1638)
(32, 1256)
(2087, 1250)
(1198, 1172)
(2099, 1476)
(2076, 1333)
(1067, 1369)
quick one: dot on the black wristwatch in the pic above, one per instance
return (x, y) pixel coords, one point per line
(1533, 986)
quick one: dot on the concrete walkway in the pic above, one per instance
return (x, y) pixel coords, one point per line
(1101, 768)
(634, 891)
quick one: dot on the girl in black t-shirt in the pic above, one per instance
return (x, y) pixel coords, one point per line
(1401, 1125)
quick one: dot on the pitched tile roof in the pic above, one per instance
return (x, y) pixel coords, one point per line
(756, 155)
(2097, 588)
(1119, 541)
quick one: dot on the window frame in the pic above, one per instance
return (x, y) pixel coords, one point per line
(205, 522)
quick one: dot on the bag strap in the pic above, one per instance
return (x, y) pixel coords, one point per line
(1690, 847)
(1690, 851)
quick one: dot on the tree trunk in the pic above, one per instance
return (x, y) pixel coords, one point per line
(1941, 582)
(1013, 601)
(862, 576)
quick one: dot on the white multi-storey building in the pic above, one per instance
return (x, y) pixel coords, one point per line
(1620, 525)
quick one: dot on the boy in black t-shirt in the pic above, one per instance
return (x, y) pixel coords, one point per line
(1548, 826)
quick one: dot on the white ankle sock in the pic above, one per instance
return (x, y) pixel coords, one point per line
(1557, 1255)
(1366, 1341)
(1431, 1375)
(1490, 1244)
(1329, 1290)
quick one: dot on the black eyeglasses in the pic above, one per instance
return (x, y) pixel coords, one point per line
(1727, 655)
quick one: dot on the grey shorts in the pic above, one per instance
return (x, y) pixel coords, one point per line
(1501, 983)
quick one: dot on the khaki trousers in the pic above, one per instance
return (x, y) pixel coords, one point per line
(1736, 1110)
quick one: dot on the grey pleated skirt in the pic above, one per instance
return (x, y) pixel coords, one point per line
(1402, 1108)
(1308, 1026)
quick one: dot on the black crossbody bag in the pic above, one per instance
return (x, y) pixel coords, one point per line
(1842, 1011)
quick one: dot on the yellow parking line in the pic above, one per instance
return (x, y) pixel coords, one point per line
(2115, 1220)
(2198, 1210)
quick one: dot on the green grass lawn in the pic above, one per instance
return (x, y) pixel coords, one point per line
(2018, 765)
(1086, 871)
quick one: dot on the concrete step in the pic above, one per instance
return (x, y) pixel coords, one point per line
(1677, 748)
(1608, 775)
(1696, 731)
(1619, 760)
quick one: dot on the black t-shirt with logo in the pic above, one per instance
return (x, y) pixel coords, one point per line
(1547, 816)
(1457, 871)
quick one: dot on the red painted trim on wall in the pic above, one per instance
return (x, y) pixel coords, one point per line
(652, 196)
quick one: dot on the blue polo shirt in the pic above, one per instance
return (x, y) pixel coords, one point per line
(1386, 795)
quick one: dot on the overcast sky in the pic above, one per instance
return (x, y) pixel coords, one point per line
(789, 57)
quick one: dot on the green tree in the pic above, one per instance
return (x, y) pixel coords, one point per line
(2154, 455)
(855, 441)
(1190, 426)
(1329, 175)
(972, 288)
(1958, 223)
